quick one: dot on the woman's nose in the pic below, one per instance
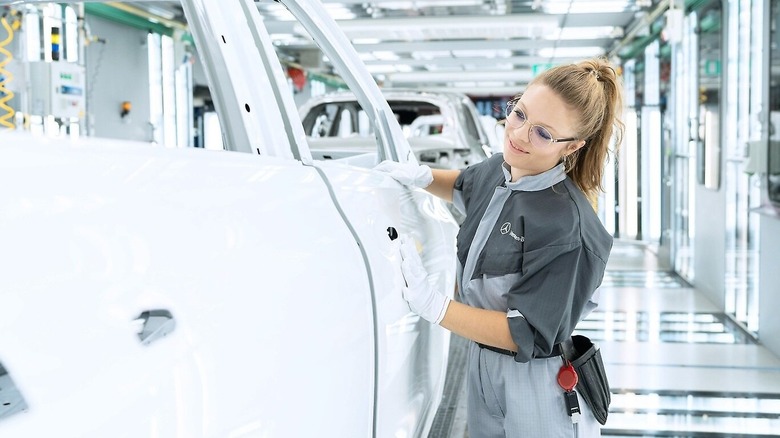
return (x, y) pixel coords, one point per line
(523, 132)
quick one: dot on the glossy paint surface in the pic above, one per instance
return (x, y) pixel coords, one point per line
(261, 274)
(192, 293)
(412, 354)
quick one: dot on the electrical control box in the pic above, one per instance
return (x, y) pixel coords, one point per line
(57, 89)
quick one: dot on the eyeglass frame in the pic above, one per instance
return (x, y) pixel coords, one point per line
(510, 108)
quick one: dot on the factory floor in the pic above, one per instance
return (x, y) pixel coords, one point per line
(677, 366)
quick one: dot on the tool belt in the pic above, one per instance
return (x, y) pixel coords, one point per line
(556, 351)
(585, 357)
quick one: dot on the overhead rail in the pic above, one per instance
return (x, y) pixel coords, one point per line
(636, 30)
(651, 25)
(138, 18)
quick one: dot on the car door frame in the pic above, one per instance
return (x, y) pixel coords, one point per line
(239, 92)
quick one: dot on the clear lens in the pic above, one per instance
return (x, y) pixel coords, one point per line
(542, 135)
(515, 117)
(519, 115)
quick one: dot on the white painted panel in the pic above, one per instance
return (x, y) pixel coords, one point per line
(412, 353)
(274, 325)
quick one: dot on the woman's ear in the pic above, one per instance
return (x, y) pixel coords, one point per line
(574, 147)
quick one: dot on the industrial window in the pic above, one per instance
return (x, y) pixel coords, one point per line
(170, 80)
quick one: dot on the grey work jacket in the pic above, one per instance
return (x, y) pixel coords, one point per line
(533, 248)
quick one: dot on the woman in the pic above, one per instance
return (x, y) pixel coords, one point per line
(531, 251)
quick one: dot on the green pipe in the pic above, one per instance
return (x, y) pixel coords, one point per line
(638, 45)
(109, 12)
(709, 23)
(122, 17)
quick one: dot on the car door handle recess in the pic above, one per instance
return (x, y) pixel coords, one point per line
(154, 325)
(11, 400)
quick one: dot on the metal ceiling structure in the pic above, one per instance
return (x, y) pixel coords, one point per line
(482, 47)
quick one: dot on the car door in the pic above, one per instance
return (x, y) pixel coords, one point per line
(267, 323)
(165, 292)
(409, 356)
(411, 353)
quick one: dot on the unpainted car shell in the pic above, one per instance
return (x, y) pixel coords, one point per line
(461, 128)
(182, 292)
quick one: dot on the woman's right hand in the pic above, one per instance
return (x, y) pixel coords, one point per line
(414, 175)
(422, 298)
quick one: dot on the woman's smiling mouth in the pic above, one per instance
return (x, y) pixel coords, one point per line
(512, 145)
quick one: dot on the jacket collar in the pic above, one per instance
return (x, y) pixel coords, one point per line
(534, 183)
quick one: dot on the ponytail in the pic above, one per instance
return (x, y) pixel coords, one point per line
(593, 89)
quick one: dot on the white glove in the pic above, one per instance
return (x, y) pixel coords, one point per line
(422, 298)
(415, 175)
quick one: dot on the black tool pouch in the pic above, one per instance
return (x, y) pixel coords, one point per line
(593, 385)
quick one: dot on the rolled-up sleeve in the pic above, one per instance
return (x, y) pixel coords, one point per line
(485, 174)
(462, 190)
(552, 296)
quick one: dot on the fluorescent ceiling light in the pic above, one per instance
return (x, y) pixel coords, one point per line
(336, 11)
(284, 37)
(452, 27)
(582, 7)
(569, 52)
(433, 54)
(449, 22)
(366, 41)
(485, 84)
(385, 56)
(417, 4)
(473, 89)
(279, 14)
(385, 69)
(439, 77)
(482, 53)
(340, 12)
(504, 66)
(449, 62)
(587, 33)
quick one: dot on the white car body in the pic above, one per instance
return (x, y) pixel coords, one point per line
(193, 293)
(495, 133)
(449, 118)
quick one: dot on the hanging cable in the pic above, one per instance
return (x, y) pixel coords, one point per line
(5, 77)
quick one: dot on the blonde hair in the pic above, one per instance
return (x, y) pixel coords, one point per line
(594, 91)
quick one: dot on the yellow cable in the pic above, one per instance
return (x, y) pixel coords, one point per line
(5, 94)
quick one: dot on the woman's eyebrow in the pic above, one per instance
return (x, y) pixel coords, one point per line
(527, 117)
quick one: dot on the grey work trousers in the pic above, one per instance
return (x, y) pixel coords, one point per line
(512, 399)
